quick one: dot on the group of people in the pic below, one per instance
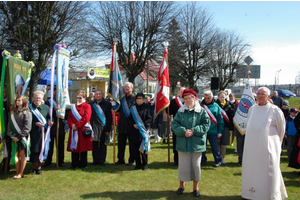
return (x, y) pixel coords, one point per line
(193, 122)
(259, 149)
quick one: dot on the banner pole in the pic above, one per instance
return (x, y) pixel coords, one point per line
(168, 133)
(57, 134)
(114, 146)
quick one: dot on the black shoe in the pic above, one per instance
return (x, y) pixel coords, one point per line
(129, 164)
(240, 163)
(196, 193)
(120, 162)
(39, 171)
(95, 163)
(180, 191)
(46, 164)
(82, 166)
(137, 168)
(72, 167)
(102, 164)
(145, 167)
(62, 165)
(33, 172)
(164, 141)
(175, 164)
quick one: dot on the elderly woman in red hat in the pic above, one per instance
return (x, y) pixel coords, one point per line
(190, 125)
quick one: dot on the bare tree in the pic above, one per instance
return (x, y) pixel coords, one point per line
(139, 26)
(198, 34)
(176, 55)
(36, 26)
(228, 51)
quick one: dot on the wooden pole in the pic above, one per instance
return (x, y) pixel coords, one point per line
(114, 146)
(168, 133)
(57, 134)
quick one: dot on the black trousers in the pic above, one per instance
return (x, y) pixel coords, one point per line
(99, 152)
(174, 148)
(240, 140)
(79, 159)
(122, 140)
(141, 159)
(60, 148)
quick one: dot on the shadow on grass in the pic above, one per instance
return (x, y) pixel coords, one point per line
(169, 195)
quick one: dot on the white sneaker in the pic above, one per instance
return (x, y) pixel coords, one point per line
(223, 161)
(158, 139)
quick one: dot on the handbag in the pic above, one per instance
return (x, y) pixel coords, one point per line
(87, 132)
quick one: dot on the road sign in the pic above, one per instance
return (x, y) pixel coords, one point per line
(248, 60)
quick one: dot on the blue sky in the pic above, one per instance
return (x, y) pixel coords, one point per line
(272, 28)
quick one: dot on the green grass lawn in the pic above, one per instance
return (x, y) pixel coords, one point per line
(122, 182)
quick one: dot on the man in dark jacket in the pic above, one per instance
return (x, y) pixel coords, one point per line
(101, 121)
(125, 126)
(141, 158)
(277, 100)
(175, 104)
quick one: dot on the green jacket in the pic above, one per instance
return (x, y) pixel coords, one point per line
(195, 119)
(216, 111)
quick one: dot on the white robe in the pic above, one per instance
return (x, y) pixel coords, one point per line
(261, 175)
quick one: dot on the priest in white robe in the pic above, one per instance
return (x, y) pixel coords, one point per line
(261, 175)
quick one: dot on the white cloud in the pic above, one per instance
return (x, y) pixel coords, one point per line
(274, 58)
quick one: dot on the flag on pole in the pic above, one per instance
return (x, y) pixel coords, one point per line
(62, 78)
(115, 90)
(162, 91)
(241, 116)
(4, 55)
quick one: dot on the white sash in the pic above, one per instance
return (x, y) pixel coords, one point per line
(179, 101)
(211, 116)
(225, 115)
(13, 120)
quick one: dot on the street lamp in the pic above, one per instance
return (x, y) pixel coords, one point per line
(276, 78)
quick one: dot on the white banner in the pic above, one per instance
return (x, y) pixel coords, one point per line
(62, 88)
(241, 116)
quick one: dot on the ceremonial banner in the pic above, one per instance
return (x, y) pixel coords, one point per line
(162, 91)
(62, 90)
(4, 55)
(241, 116)
(18, 77)
(115, 90)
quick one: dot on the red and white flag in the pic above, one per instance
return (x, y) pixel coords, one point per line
(162, 91)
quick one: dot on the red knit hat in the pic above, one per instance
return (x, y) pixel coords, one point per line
(188, 92)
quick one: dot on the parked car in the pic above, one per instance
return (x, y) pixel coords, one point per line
(286, 93)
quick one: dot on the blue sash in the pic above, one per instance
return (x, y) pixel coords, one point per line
(125, 106)
(145, 144)
(45, 142)
(102, 117)
(74, 136)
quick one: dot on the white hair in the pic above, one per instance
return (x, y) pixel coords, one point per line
(129, 84)
(208, 92)
(38, 92)
(266, 89)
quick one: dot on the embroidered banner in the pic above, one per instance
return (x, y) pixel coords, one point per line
(241, 116)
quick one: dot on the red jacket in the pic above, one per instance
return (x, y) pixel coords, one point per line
(84, 144)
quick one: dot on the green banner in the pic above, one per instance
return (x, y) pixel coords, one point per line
(18, 73)
(2, 125)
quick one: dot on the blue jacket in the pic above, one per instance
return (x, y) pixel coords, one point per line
(290, 128)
